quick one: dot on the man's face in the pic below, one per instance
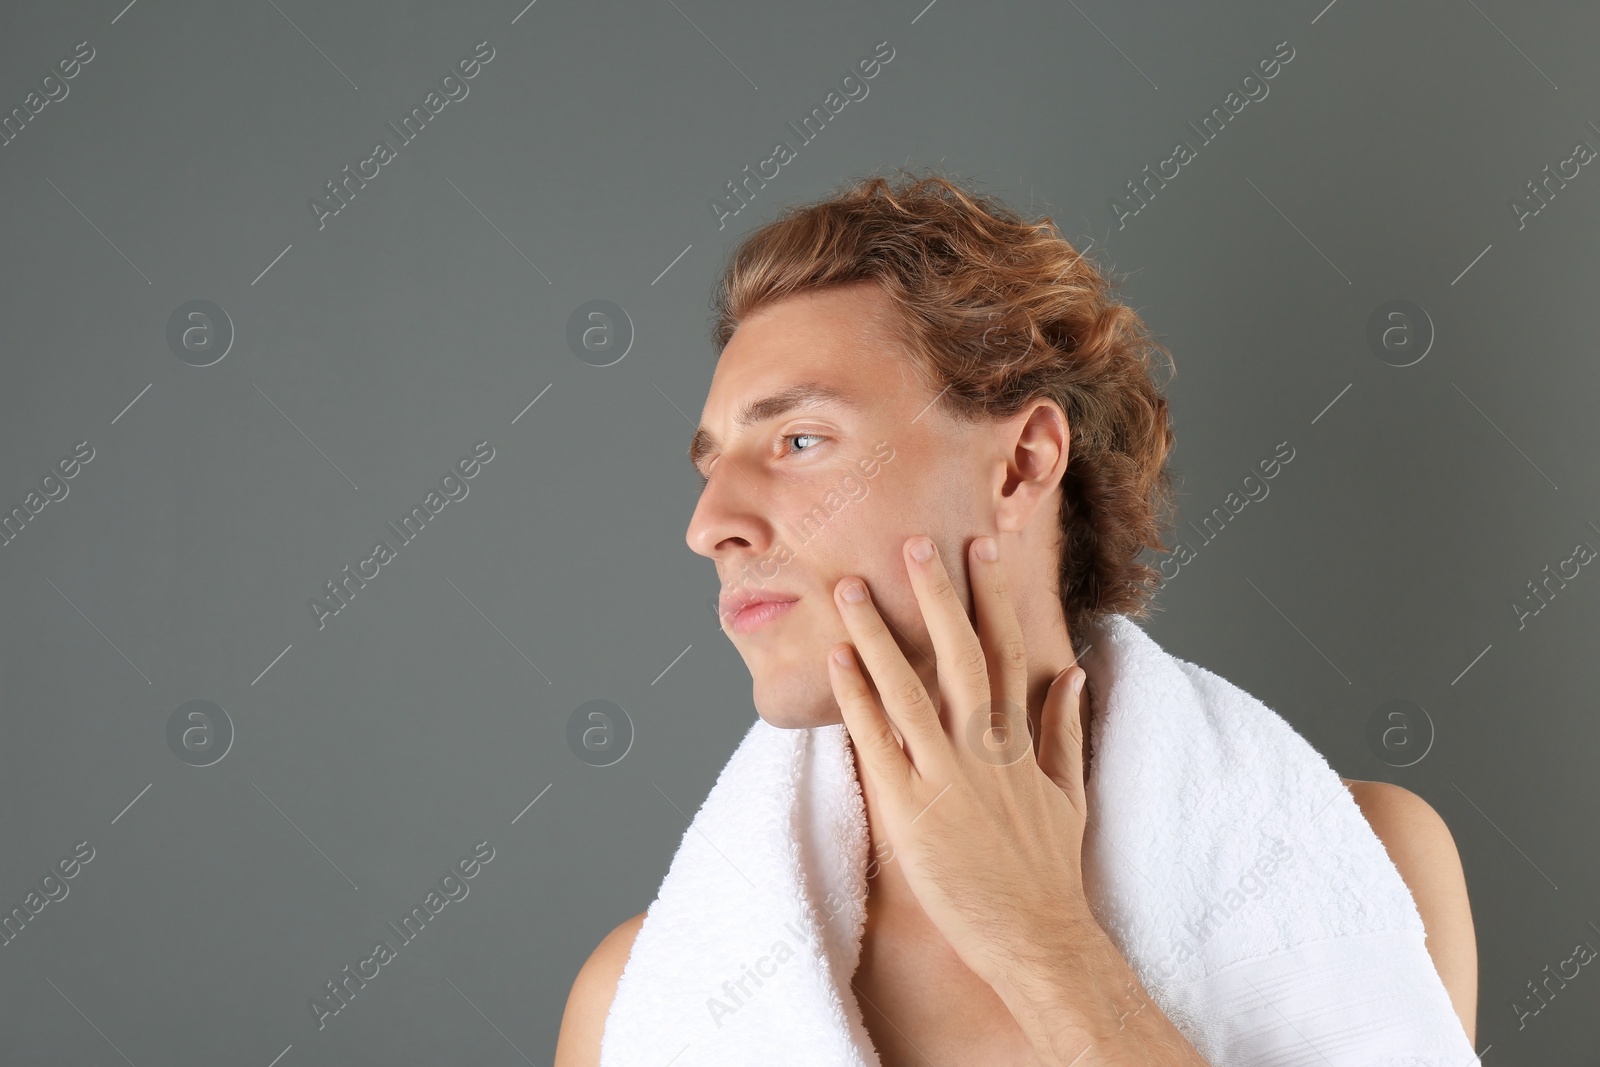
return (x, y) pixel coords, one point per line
(801, 497)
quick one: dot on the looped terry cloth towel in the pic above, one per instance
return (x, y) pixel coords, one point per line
(1225, 860)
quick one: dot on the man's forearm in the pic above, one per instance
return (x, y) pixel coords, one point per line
(1080, 1005)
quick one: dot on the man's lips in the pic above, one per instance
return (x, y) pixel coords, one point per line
(759, 613)
(746, 611)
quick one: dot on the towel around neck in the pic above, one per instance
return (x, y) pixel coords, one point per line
(1224, 858)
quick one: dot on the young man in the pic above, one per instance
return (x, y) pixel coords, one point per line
(980, 362)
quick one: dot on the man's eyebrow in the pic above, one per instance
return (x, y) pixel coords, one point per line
(805, 394)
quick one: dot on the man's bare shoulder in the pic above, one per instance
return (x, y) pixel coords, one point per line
(1423, 850)
(584, 1021)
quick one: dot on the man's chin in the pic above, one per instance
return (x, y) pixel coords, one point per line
(788, 708)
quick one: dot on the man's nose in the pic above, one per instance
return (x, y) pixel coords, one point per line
(727, 515)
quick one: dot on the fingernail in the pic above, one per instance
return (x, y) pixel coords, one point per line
(986, 549)
(855, 592)
(922, 550)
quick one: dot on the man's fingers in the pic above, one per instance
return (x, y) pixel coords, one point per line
(904, 699)
(1001, 635)
(1061, 735)
(959, 656)
(870, 730)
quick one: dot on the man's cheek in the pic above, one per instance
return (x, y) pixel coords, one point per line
(866, 541)
(893, 597)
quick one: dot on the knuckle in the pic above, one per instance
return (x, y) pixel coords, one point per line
(910, 693)
(1014, 654)
(973, 662)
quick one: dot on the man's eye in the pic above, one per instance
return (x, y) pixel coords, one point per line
(705, 479)
(793, 436)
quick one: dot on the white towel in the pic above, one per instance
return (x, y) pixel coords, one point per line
(1224, 858)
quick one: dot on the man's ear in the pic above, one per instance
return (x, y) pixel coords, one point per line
(1035, 445)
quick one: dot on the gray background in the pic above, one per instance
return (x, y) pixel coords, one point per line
(372, 754)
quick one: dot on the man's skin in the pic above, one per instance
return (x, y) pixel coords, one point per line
(951, 481)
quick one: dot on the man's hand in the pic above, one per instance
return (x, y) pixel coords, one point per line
(991, 837)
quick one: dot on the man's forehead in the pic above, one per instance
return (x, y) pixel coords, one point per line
(833, 330)
(785, 358)
(776, 366)
(775, 398)
(849, 359)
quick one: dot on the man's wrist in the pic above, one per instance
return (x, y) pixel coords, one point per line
(1078, 1002)
(1044, 982)
(1031, 969)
